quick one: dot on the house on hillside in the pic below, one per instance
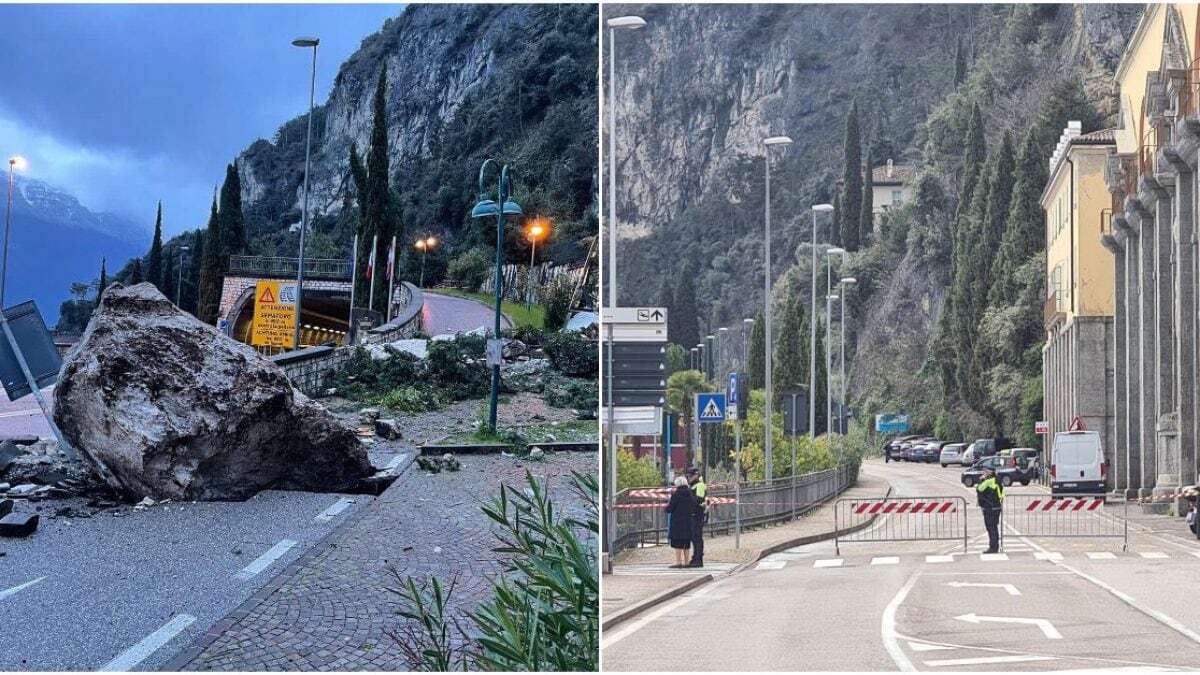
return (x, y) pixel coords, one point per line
(892, 187)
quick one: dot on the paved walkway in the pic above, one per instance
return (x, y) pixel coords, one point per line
(24, 417)
(333, 609)
(449, 314)
(641, 573)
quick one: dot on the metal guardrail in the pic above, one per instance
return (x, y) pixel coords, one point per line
(880, 519)
(1074, 515)
(271, 266)
(641, 519)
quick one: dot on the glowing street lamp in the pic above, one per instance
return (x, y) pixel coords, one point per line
(423, 245)
(538, 229)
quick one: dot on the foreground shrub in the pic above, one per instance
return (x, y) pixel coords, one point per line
(572, 354)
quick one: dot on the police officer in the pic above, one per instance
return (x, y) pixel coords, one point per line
(700, 489)
(990, 494)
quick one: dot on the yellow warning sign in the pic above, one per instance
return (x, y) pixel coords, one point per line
(274, 314)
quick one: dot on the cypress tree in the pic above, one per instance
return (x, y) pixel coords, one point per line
(991, 231)
(103, 283)
(960, 64)
(835, 226)
(233, 223)
(790, 365)
(851, 181)
(168, 275)
(196, 262)
(154, 264)
(135, 272)
(974, 154)
(822, 382)
(378, 194)
(688, 329)
(666, 298)
(209, 301)
(866, 226)
(1024, 227)
(362, 225)
(756, 356)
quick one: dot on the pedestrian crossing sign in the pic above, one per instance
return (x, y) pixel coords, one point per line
(710, 407)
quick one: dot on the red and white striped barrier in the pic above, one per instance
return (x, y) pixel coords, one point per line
(1067, 504)
(711, 501)
(651, 493)
(913, 507)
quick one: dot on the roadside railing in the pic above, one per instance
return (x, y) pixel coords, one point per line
(273, 266)
(641, 519)
(881, 519)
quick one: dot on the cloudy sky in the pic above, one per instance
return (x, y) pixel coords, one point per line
(122, 105)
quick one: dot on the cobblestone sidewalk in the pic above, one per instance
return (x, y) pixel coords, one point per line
(332, 610)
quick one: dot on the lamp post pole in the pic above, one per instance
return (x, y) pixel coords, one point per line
(829, 253)
(12, 165)
(424, 250)
(502, 193)
(305, 42)
(769, 345)
(630, 22)
(179, 284)
(812, 333)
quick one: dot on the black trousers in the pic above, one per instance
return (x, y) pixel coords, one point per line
(697, 540)
(991, 520)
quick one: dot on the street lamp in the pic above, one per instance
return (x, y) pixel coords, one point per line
(829, 253)
(486, 208)
(768, 143)
(423, 245)
(845, 283)
(179, 284)
(812, 333)
(14, 163)
(306, 43)
(539, 228)
(722, 343)
(629, 23)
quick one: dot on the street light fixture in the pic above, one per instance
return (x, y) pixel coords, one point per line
(812, 333)
(538, 229)
(486, 208)
(628, 23)
(423, 245)
(306, 43)
(768, 143)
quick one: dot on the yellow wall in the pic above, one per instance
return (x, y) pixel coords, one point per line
(1142, 55)
(1094, 280)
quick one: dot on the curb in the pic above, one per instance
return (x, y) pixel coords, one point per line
(675, 591)
(194, 648)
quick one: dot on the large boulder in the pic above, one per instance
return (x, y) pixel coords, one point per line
(163, 405)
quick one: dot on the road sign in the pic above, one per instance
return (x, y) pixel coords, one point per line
(645, 420)
(635, 324)
(494, 352)
(1077, 424)
(635, 356)
(731, 397)
(1041, 427)
(891, 423)
(795, 412)
(649, 315)
(274, 314)
(36, 345)
(710, 407)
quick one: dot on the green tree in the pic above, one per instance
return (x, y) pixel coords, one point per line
(1024, 225)
(756, 358)
(821, 383)
(666, 298)
(168, 275)
(682, 386)
(211, 272)
(677, 358)
(852, 183)
(687, 328)
(195, 267)
(960, 64)
(636, 472)
(103, 282)
(233, 222)
(154, 262)
(378, 211)
(866, 224)
(135, 272)
(835, 223)
(790, 365)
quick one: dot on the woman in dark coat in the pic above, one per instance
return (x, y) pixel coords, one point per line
(681, 507)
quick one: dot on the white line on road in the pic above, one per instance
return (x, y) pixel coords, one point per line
(1048, 628)
(1047, 555)
(22, 413)
(149, 644)
(771, 565)
(264, 561)
(1102, 555)
(886, 560)
(1153, 555)
(1012, 590)
(983, 660)
(336, 508)
(9, 592)
(831, 562)
(993, 557)
(939, 558)
(926, 647)
(610, 638)
(887, 627)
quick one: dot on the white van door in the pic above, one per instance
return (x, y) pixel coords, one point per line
(1077, 464)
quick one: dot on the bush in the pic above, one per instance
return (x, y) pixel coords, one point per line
(363, 377)
(575, 394)
(410, 399)
(530, 335)
(556, 298)
(572, 354)
(636, 472)
(458, 367)
(470, 268)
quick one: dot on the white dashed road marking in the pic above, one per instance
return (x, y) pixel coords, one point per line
(149, 644)
(1048, 555)
(983, 660)
(9, 592)
(993, 557)
(939, 558)
(771, 564)
(1102, 555)
(1153, 555)
(834, 562)
(334, 509)
(264, 561)
(886, 560)
(926, 647)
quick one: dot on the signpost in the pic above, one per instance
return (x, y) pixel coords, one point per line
(1041, 427)
(891, 423)
(733, 395)
(274, 314)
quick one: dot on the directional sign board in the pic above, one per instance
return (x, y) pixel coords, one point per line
(710, 407)
(274, 314)
(36, 345)
(635, 356)
(891, 423)
(1041, 427)
(636, 324)
(795, 412)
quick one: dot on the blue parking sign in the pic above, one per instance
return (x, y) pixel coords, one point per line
(710, 407)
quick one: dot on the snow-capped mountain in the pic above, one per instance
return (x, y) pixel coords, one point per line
(49, 203)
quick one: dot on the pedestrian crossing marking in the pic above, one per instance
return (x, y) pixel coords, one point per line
(886, 560)
(1195, 553)
(939, 558)
(1101, 555)
(1054, 556)
(771, 564)
(1048, 555)
(1153, 555)
(926, 647)
(993, 557)
(834, 562)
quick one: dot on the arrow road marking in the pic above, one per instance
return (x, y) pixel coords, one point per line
(1012, 590)
(1047, 628)
(9, 592)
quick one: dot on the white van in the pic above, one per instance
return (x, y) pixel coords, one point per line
(1077, 463)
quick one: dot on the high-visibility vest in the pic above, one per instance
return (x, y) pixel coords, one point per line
(701, 490)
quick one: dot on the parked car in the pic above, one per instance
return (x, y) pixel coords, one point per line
(987, 447)
(891, 449)
(1031, 457)
(952, 454)
(924, 451)
(1008, 471)
(1077, 463)
(908, 451)
(968, 456)
(931, 452)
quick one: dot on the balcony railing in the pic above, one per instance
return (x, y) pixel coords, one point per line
(1053, 309)
(285, 268)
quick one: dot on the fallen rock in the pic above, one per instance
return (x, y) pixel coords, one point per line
(387, 428)
(163, 405)
(18, 524)
(6, 507)
(537, 454)
(22, 490)
(29, 439)
(368, 415)
(9, 451)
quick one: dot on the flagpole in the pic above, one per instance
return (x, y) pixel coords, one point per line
(391, 278)
(353, 283)
(371, 272)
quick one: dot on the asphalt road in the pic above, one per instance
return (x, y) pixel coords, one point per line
(444, 314)
(24, 417)
(1047, 603)
(127, 592)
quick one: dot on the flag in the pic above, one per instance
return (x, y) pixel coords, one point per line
(371, 258)
(391, 259)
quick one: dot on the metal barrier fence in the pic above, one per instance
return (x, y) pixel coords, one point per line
(641, 519)
(882, 519)
(1074, 515)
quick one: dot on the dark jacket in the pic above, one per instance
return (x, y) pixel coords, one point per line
(990, 494)
(681, 507)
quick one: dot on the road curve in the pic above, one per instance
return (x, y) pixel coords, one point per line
(449, 314)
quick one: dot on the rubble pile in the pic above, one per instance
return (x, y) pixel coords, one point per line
(163, 405)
